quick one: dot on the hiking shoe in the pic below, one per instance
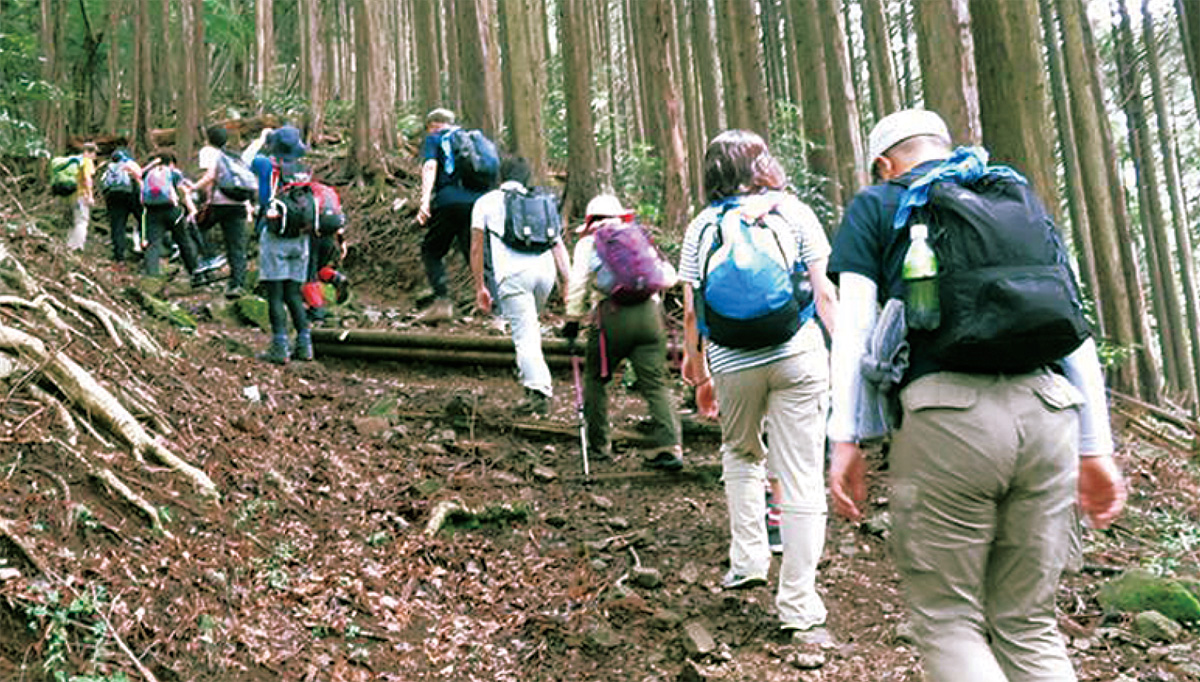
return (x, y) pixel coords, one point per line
(234, 291)
(210, 263)
(817, 635)
(774, 539)
(665, 458)
(736, 581)
(275, 354)
(303, 352)
(440, 310)
(535, 402)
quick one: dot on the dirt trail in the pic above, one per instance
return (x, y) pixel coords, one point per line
(317, 564)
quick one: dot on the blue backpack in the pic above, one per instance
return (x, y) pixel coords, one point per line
(471, 159)
(750, 294)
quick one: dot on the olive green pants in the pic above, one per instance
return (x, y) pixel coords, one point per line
(634, 332)
(985, 471)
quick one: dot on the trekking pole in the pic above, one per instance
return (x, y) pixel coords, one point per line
(579, 407)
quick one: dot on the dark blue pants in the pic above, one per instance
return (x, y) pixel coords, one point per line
(449, 226)
(159, 221)
(232, 219)
(120, 208)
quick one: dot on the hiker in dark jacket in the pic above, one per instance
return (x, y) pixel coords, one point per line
(123, 202)
(445, 211)
(985, 467)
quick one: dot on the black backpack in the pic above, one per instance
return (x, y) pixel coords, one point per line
(1009, 300)
(531, 221)
(474, 161)
(293, 211)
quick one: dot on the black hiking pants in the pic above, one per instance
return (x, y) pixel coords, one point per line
(232, 219)
(120, 208)
(449, 225)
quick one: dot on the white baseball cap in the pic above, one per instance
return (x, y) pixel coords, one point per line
(895, 128)
(604, 206)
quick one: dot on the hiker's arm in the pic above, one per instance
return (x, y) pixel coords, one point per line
(483, 297)
(694, 369)
(856, 315)
(187, 201)
(252, 151)
(562, 262)
(1101, 486)
(428, 177)
(824, 293)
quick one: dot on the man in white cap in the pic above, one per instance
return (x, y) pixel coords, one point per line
(617, 331)
(984, 467)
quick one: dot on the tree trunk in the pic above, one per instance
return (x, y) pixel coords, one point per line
(772, 50)
(375, 125)
(843, 102)
(658, 27)
(164, 93)
(51, 112)
(1188, 13)
(637, 119)
(425, 26)
(742, 65)
(582, 181)
(885, 96)
(141, 82)
(707, 69)
(1168, 310)
(477, 66)
(189, 91)
(116, 10)
(315, 58)
(1085, 252)
(693, 107)
(1114, 291)
(1149, 367)
(199, 53)
(1179, 220)
(264, 43)
(946, 51)
(906, 33)
(522, 69)
(818, 125)
(1013, 98)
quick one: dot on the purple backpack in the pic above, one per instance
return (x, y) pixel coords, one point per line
(632, 269)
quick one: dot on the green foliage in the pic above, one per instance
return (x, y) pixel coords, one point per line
(74, 625)
(20, 48)
(790, 147)
(639, 181)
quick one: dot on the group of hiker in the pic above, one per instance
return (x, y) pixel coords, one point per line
(943, 320)
(298, 222)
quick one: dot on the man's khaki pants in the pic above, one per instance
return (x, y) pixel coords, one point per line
(985, 471)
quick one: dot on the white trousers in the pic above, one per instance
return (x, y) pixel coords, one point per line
(81, 213)
(522, 295)
(786, 401)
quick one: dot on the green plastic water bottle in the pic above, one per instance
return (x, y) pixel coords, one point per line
(922, 309)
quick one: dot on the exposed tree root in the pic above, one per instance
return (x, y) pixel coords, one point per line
(8, 529)
(87, 394)
(114, 322)
(117, 487)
